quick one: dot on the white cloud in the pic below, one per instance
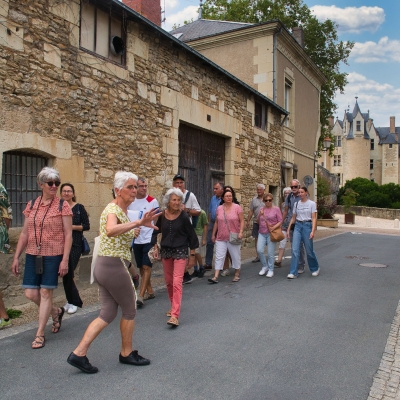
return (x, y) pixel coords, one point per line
(178, 18)
(385, 50)
(352, 19)
(170, 4)
(381, 99)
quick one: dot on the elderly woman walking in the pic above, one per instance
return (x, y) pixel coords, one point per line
(229, 220)
(178, 235)
(111, 273)
(269, 218)
(47, 237)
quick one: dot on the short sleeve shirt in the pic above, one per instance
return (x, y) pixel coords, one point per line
(201, 223)
(49, 227)
(255, 206)
(304, 210)
(269, 216)
(232, 221)
(144, 205)
(117, 246)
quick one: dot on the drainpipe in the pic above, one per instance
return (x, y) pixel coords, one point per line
(275, 57)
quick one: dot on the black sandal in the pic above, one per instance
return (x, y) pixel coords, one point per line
(57, 321)
(39, 342)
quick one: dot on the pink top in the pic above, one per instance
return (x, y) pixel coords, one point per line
(52, 232)
(232, 218)
(271, 215)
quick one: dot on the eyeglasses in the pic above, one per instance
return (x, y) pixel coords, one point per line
(267, 200)
(67, 191)
(294, 187)
(54, 183)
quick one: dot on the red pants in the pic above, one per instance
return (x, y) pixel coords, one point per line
(173, 275)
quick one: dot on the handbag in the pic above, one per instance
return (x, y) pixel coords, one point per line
(276, 235)
(233, 236)
(85, 246)
(151, 254)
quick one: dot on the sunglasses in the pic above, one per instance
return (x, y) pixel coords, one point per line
(267, 200)
(293, 187)
(54, 183)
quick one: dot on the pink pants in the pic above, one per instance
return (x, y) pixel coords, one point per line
(173, 275)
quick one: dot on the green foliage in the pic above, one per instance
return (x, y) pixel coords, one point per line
(349, 199)
(12, 314)
(321, 40)
(371, 194)
(326, 208)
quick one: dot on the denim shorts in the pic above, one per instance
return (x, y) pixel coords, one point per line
(47, 280)
(141, 252)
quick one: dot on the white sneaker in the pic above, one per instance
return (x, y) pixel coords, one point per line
(291, 276)
(301, 269)
(270, 274)
(225, 272)
(67, 306)
(316, 273)
(72, 309)
(263, 271)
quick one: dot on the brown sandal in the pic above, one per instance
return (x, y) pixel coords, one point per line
(38, 342)
(57, 321)
(168, 313)
(173, 321)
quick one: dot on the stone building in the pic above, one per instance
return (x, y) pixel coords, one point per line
(91, 87)
(363, 150)
(272, 60)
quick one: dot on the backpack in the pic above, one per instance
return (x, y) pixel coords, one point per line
(196, 218)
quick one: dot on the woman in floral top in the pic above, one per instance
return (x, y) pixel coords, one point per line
(112, 275)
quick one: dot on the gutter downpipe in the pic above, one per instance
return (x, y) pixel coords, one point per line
(275, 57)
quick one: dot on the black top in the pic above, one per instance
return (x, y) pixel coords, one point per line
(80, 217)
(177, 233)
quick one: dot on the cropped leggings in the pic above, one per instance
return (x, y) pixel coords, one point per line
(115, 287)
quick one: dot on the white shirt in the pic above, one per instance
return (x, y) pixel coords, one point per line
(304, 210)
(192, 202)
(144, 205)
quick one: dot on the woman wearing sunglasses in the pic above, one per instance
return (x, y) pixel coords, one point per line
(47, 237)
(269, 218)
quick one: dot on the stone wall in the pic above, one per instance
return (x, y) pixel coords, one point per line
(91, 117)
(385, 213)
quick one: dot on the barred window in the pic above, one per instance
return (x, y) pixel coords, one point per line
(19, 178)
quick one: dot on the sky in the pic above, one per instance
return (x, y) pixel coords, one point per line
(374, 61)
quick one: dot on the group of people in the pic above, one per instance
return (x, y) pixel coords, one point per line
(52, 239)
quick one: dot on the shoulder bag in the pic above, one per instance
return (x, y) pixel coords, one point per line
(276, 235)
(233, 236)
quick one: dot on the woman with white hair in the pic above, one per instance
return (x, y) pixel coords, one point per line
(47, 238)
(285, 224)
(178, 235)
(111, 274)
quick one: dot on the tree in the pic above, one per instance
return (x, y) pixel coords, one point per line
(321, 40)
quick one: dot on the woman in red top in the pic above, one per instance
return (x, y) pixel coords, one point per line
(47, 238)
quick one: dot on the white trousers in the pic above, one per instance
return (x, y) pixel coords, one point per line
(220, 252)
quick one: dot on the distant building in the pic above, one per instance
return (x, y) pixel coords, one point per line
(363, 150)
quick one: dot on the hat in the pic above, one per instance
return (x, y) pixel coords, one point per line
(178, 176)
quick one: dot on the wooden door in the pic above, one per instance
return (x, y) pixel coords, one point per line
(201, 162)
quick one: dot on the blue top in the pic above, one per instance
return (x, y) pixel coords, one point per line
(212, 208)
(290, 202)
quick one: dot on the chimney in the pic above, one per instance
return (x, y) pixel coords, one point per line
(150, 9)
(392, 125)
(298, 34)
(331, 121)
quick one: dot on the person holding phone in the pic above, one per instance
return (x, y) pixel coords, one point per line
(47, 238)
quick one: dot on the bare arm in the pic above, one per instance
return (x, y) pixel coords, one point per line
(205, 232)
(214, 232)
(251, 212)
(292, 221)
(67, 228)
(8, 222)
(314, 224)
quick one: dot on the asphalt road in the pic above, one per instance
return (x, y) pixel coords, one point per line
(309, 338)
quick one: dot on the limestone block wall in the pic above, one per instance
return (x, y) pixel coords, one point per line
(91, 117)
(390, 161)
(355, 158)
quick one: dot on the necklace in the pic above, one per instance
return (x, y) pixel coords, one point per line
(39, 245)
